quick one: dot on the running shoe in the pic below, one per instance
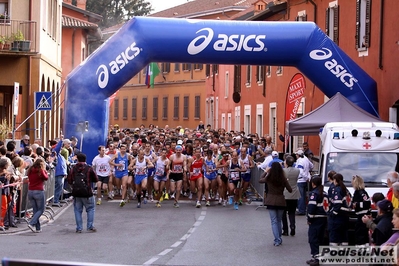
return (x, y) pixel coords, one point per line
(220, 201)
(166, 196)
(172, 196)
(240, 202)
(203, 197)
(99, 202)
(224, 203)
(236, 206)
(208, 203)
(158, 205)
(176, 205)
(145, 200)
(110, 196)
(122, 203)
(139, 205)
(161, 198)
(190, 196)
(217, 196)
(185, 194)
(32, 228)
(198, 205)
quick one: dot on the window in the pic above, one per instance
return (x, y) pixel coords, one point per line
(198, 66)
(207, 70)
(134, 108)
(363, 24)
(332, 21)
(165, 67)
(155, 108)
(144, 108)
(186, 67)
(301, 16)
(268, 71)
(176, 107)
(177, 67)
(4, 9)
(124, 111)
(279, 70)
(260, 74)
(185, 107)
(226, 85)
(237, 78)
(116, 109)
(197, 107)
(249, 73)
(215, 69)
(165, 108)
(52, 21)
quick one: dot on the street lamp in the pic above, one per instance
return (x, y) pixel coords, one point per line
(82, 127)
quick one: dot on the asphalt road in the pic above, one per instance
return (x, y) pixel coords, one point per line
(212, 235)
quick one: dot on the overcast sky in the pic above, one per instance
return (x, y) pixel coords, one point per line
(159, 5)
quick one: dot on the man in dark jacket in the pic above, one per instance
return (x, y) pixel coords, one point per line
(87, 199)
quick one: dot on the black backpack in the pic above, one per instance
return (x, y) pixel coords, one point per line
(80, 188)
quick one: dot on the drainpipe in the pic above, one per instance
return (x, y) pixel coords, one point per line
(73, 48)
(380, 66)
(315, 10)
(29, 79)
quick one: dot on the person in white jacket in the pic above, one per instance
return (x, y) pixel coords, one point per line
(305, 166)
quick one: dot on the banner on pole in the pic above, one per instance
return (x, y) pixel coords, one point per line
(16, 98)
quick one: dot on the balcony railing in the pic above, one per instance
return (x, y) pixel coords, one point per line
(17, 36)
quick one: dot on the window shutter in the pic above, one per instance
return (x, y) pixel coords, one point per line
(237, 78)
(297, 18)
(336, 23)
(207, 70)
(357, 40)
(327, 21)
(368, 24)
(248, 79)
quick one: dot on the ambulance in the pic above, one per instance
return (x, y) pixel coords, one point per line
(366, 149)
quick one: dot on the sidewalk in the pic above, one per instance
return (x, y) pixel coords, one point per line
(49, 214)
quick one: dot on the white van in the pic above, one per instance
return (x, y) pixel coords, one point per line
(367, 149)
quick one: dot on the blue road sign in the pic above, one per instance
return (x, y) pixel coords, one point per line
(43, 101)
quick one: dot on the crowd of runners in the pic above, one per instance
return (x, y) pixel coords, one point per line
(154, 164)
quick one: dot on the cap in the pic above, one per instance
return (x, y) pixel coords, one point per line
(179, 142)
(66, 141)
(209, 140)
(137, 129)
(275, 154)
(299, 152)
(385, 205)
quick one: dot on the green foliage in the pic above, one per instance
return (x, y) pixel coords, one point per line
(115, 12)
(5, 129)
(18, 36)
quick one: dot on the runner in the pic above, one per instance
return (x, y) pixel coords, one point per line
(178, 164)
(111, 151)
(222, 177)
(235, 169)
(140, 165)
(248, 163)
(161, 176)
(196, 164)
(210, 175)
(103, 170)
(150, 155)
(120, 162)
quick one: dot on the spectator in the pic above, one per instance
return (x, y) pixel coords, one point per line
(308, 153)
(83, 201)
(381, 226)
(24, 142)
(361, 204)
(392, 177)
(304, 166)
(60, 173)
(291, 199)
(5, 192)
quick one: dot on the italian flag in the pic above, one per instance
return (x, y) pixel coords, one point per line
(152, 72)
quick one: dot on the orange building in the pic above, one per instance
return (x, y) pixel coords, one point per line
(179, 94)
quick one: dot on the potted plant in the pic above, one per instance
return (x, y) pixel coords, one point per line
(2, 41)
(17, 38)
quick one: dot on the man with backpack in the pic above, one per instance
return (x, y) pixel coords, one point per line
(80, 178)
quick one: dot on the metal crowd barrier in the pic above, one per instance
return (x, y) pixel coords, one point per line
(258, 188)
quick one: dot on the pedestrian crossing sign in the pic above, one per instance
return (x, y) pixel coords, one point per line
(43, 101)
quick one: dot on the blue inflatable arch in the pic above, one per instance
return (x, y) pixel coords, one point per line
(143, 40)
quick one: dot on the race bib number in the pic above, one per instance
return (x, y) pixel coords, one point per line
(178, 168)
(140, 171)
(102, 169)
(196, 171)
(121, 167)
(160, 171)
(235, 175)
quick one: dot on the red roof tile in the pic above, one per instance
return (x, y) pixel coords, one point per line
(198, 7)
(71, 22)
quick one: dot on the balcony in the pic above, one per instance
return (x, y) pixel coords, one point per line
(17, 36)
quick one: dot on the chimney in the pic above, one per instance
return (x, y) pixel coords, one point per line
(259, 6)
(81, 4)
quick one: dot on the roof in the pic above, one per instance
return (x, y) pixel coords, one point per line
(199, 8)
(71, 22)
(337, 109)
(93, 17)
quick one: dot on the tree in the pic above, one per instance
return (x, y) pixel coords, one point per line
(115, 12)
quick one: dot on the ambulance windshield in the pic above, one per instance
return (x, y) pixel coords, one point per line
(372, 167)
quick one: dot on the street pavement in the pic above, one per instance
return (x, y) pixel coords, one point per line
(212, 235)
